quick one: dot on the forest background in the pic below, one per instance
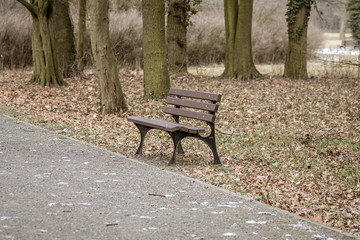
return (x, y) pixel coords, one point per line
(206, 36)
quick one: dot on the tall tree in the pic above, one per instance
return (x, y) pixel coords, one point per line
(231, 16)
(239, 61)
(111, 95)
(297, 17)
(176, 36)
(353, 8)
(178, 20)
(81, 36)
(46, 69)
(156, 75)
(64, 31)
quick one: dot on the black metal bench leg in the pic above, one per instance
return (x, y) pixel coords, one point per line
(176, 140)
(180, 150)
(211, 143)
(143, 131)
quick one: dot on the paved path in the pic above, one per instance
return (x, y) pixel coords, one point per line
(52, 187)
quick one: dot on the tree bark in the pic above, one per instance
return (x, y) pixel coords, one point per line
(111, 95)
(243, 61)
(156, 75)
(46, 69)
(231, 16)
(295, 62)
(239, 61)
(176, 36)
(353, 9)
(81, 36)
(65, 38)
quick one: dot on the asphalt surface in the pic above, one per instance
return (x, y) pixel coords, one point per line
(53, 187)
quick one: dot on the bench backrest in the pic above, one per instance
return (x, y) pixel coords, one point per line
(181, 99)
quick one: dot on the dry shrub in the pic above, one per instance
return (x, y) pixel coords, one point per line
(270, 37)
(315, 38)
(206, 37)
(15, 38)
(126, 36)
(269, 33)
(125, 33)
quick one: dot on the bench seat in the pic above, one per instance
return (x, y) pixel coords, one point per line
(165, 125)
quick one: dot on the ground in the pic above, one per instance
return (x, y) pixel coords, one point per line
(291, 144)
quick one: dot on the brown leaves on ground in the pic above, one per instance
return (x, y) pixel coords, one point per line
(291, 144)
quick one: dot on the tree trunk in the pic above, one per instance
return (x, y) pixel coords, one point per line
(243, 61)
(353, 9)
(81, 37)
(231, 16)
(343, 20)
(239, 61)
(156, 75)
(111, 95)
(176, 37)
(295, 62)
(38, 75)
(64, 31)
(45, 58)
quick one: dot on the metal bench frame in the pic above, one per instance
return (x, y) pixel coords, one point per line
(179, 131)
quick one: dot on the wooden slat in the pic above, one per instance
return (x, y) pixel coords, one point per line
(168, 126)
(195, 94)
(165, 125)
(184, 127)
(190, 114)
(191, 129)
(192, 104)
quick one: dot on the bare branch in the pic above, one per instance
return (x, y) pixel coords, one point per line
(28, 6)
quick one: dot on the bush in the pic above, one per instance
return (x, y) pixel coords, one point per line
(15, 38)
(125, 33)
(206, 38)
(269, 33)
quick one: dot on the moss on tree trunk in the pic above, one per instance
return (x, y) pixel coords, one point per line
(111, 95)
(176, 37)
(64, 31)
(156, 75)
(81, 36)
(244, 66)
(46, 69)
(298, 14)
(38, 75)
(231, 16)
(238, 24)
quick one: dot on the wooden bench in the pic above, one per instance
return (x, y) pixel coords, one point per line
(184, 103)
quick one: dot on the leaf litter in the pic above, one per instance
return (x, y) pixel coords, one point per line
(290, 144)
